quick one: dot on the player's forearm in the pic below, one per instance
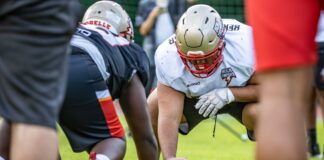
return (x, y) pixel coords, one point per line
(145, 142)
(247, 93)
(134, 106)
(168, 137)
(147, 25)
(141, 128)
(146, 148)
(170, 104)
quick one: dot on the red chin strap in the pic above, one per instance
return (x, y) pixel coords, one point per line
(203, 65)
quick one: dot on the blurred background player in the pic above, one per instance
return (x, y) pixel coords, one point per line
(285, 54)
(34, 37)
(319, 69)
(106, 65)
(204, 69)
(313, 146)
(156, 20)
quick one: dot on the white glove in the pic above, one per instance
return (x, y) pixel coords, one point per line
(211, 102)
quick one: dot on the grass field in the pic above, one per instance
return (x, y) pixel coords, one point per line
(198, 145)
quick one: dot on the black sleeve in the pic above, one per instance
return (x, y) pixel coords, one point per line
(319, 67)
(136, 61)
(142, 63)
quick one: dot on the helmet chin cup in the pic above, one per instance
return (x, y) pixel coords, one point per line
(203, 65)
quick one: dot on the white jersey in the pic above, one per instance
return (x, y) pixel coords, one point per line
(320, 30)
(235, 70)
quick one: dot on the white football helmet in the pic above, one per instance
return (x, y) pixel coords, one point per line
(200, 40)
(110, 14)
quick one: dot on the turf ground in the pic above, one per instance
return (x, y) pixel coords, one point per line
(199, 144)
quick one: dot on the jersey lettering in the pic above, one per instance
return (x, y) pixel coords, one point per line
(84, 32)
(98, 23)
(193, 84)
(232, 27)
(171, 40)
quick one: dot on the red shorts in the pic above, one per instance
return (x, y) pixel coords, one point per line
(284, 32)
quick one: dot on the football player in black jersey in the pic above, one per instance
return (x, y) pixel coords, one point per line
(106, 65)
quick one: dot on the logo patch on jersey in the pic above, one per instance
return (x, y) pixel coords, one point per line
(227, 74)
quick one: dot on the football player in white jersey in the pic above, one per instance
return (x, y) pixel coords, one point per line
(205, 69)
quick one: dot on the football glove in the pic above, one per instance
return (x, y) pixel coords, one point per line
(210, 103)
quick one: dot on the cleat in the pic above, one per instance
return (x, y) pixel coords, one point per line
(314, 151)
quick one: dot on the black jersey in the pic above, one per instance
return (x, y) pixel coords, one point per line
(122, 59)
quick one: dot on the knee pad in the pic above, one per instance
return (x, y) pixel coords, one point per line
(95, 156)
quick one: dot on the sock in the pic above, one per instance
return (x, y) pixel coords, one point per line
(101, 157)
(312, 136)
(95, 156)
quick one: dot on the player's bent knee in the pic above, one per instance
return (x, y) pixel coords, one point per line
(152, 102)
(114, 148)
(249, 116)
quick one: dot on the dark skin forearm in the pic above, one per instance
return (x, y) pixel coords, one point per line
(134, 106)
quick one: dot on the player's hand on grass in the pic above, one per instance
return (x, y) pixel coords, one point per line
(210, 103)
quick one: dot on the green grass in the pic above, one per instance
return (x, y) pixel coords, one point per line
(199, 144)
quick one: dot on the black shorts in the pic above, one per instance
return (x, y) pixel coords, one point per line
(319, 69)
(193, 118)
(34, 39)
(88, 114)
